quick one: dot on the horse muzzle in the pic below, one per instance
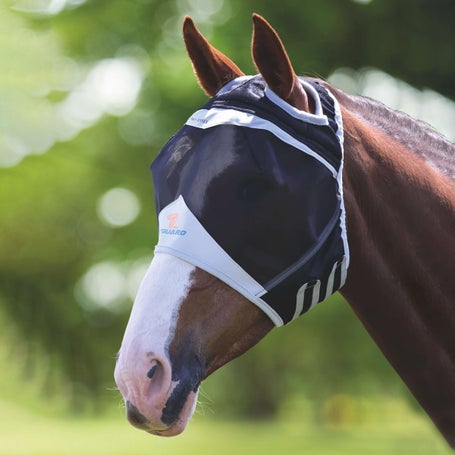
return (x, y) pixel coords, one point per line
(158, 400)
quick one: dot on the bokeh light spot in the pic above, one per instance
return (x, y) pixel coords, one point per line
(118, 207)
(104, 286)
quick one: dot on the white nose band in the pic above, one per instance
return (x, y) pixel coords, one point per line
(182, 235)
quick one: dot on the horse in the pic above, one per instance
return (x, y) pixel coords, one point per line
(277, 193)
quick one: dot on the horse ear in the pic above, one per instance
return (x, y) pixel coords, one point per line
(213, 69)
(272, 61)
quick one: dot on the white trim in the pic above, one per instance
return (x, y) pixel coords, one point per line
(318, 118)
(300, 300)
(338, 117)
(316, 294)
(330, 281)
(315, 94)
(188, 240)
(340, 135)
(208, 118)
(300, 297)
(239, 287)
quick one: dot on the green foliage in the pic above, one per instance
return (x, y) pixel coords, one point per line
(397, 433)
(51, 232)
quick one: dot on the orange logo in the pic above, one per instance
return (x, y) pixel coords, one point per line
(172, 220)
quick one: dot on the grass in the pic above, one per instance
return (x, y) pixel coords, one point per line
(24, 433)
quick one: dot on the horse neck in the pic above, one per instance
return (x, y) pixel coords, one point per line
(401, 224)
(401, 215)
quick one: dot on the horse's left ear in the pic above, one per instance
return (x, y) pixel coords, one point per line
(272, 61)
(213, 69)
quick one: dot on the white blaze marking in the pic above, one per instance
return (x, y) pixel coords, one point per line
(152, 323)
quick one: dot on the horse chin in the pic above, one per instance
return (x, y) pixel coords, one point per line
(181, 422)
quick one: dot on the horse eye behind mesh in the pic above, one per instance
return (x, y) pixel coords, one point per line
(254, 190)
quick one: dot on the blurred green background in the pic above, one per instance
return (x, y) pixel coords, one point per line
(89, 92)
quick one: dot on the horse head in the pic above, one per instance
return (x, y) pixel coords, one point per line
(249, 198)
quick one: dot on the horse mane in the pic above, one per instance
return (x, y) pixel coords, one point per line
(416, 135)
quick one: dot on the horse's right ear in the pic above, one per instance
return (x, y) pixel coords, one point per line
(213, 69)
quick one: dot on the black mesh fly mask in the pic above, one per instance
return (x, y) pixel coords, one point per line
(250, 190)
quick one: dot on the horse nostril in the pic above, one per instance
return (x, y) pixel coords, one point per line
(159, 381)
(151, 372)
(136, 419)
